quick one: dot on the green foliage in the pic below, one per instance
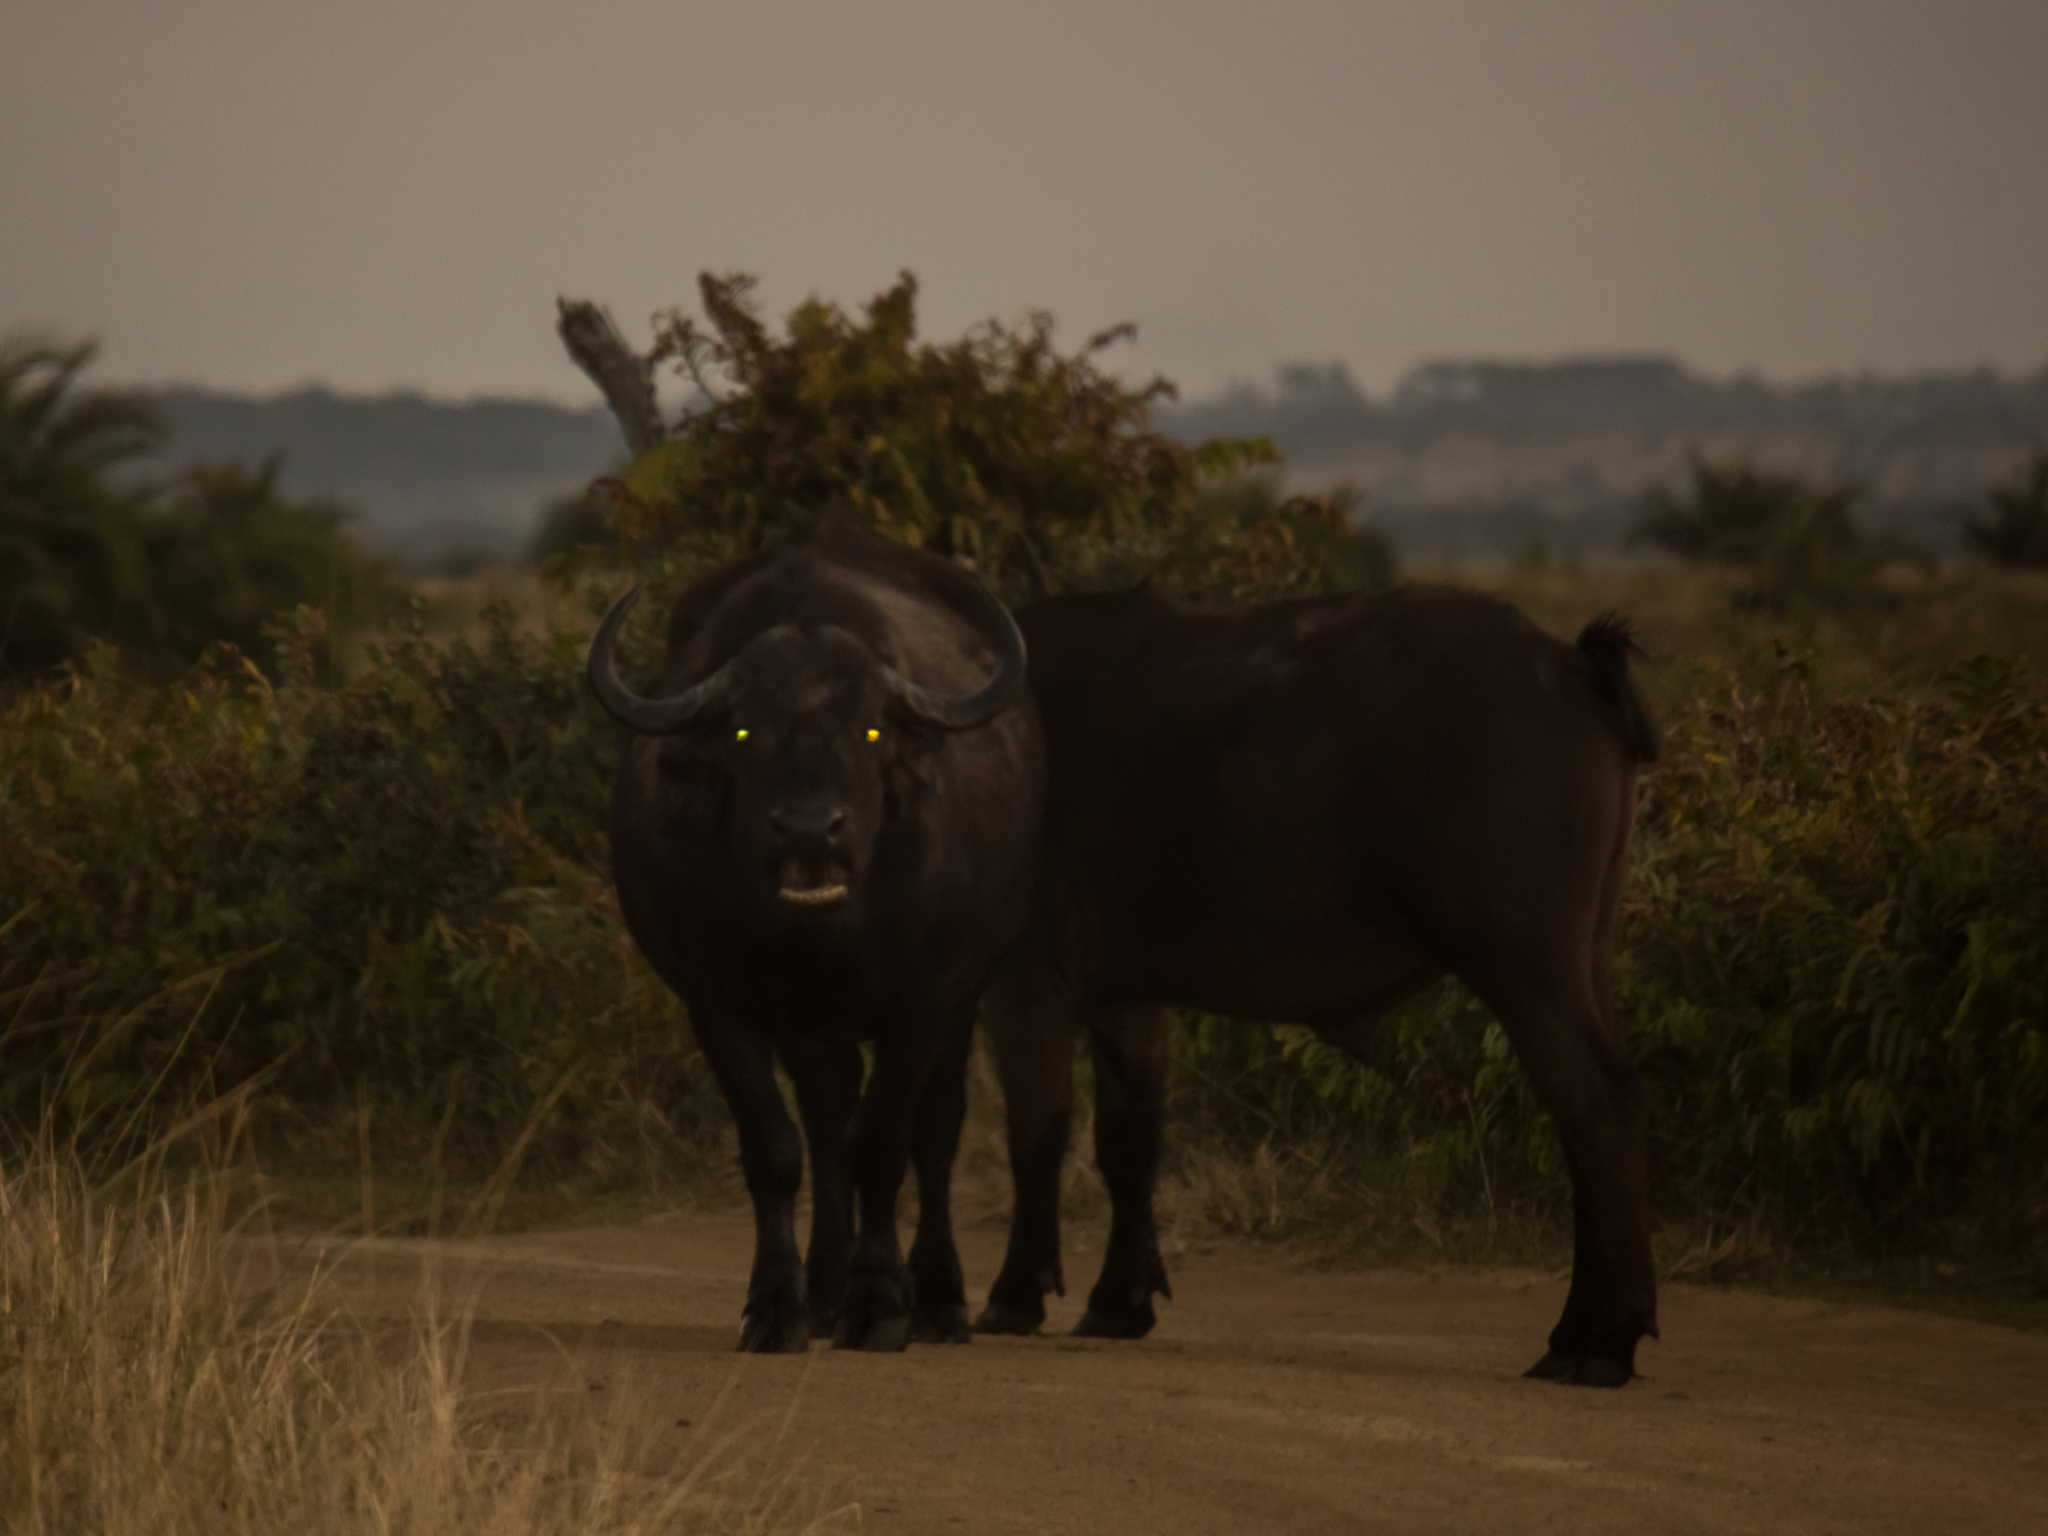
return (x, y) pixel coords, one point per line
(1244, 543)
(161, 572)
(998, 448)
(1839, 948)
(581, 521)
(1833, 968)
(384, 892)
(225, 553)
(69, 548)
(1799, 539)
(2017, 534)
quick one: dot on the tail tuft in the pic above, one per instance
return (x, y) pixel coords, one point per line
(1607, 643)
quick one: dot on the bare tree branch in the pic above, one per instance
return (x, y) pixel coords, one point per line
(623, 376)
(1035, 583)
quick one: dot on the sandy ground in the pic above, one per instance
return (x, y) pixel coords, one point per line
(1272, 1398)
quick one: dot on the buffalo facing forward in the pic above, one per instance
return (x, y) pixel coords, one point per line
(1306, 812)
(824, 831)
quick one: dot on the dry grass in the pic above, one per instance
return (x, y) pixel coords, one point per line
(1212, 1192)
(453, 608)
(157, 1376)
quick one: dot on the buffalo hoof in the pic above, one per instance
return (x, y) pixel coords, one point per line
(939, 1325)
(1014, 1322)
(1116, 1322)
(772, 1331)
(876, 1335)
(823, 1321)
(1582, 1370)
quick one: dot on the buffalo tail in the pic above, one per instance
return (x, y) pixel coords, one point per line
(1606, 643)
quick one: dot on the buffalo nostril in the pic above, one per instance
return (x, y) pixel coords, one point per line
(808, 823)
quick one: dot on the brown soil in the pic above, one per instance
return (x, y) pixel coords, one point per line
(1272, 1398)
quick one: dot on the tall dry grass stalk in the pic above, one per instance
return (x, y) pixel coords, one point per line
(157, 1376)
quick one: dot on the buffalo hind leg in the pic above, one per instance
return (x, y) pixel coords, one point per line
(1130, 1093)
(1030, 1024)
(938, 1289)
(826, 1075)
(1584, 1079)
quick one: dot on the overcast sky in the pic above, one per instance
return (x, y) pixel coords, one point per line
(252, 194)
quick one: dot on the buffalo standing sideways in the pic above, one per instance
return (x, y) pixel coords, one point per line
(825, 829)
(1306, 812)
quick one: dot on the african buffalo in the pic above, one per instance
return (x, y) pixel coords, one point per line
(1305, 812)
(825, 829)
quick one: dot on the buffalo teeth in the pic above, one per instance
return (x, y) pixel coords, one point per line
(816, 896)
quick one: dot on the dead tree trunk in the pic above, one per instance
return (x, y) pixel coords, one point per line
(623, 376)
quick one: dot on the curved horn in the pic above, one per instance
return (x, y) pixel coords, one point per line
(950, 714)
(650, 717)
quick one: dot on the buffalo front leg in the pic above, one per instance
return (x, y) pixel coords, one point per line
(1130, 1096)
(826, 1074)
(938, 1289)
(772, 1160)
(1030, 1023)
(1583, 1077)
(876, 1313)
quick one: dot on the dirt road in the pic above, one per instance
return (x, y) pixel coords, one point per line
(1277, 1399)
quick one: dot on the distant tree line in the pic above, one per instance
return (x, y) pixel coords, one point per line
(1801, 542)
(1035, 464)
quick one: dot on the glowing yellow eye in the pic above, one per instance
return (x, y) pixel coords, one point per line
(874, 735)
(740, 735)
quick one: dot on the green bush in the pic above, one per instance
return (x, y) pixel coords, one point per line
(70, 560)
(225, 553)
(1799, 540)
(381, 895)
(2017, 533)
(568, 524)
(161, 571)
(1245, 543)
(1838, 950)
(1036, 465)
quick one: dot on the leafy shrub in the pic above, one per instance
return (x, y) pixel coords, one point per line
(2017, 534)
(160, 571)
(581, 521)
(997, 448)
(1247, 543)
(1839, 950)
(1799, 539)
(225, 553)
(383, 894)
(68, 538)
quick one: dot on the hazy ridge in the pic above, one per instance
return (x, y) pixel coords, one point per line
(438, 484)
(1475, 459)
(1462, 460)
